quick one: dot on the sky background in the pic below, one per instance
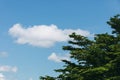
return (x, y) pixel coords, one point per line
(32, 33)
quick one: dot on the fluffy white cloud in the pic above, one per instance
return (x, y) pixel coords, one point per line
(3, 54)
(7, 68)
(57, 58)
(2, 77)
(42, 35)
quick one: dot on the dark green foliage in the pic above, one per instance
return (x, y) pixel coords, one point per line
(47, 78)
(97, 59)
(115, 23)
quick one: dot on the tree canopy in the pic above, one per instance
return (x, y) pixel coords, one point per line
(97, 59)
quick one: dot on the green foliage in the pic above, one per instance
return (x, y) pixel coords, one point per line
(115, 23)
(47, 78)
(97, 59)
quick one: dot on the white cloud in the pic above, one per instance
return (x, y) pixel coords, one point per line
(7, 68)
(3, 54)
(30, 79)
(42, 35)
(57, 58)
(2, 77)
(14, 69)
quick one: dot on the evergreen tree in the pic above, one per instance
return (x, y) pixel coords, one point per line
(97, 59)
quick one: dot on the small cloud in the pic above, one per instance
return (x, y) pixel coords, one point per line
(7, 68)
(57, 58)
(31, 79)
(14, 69)
(42, 35)
(2, 77)
(3, 54)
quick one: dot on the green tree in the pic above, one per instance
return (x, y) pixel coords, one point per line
(97, 59)
(47, 78)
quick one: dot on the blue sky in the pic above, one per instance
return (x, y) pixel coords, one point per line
(32, 33)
